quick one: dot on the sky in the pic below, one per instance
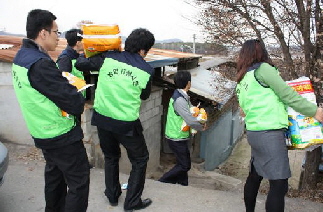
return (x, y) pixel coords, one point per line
(166, 19)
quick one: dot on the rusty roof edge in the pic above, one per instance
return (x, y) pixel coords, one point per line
(167, 57)
(162, 63)
(211, 97)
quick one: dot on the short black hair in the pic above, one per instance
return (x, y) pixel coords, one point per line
(139, 39)
(38, 20)
(181, 79)
(72, 36)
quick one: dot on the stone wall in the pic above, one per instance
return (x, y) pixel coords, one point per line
(296, 160)
(150, 116)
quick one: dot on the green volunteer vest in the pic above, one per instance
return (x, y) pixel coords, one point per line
(262, 107)
(43, 118)
(118, 90)
(76, 72)
(174, 123)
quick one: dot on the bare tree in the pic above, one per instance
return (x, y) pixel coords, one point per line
(286, 24)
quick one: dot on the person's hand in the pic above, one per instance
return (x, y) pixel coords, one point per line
(204, 127)
(319, 114)
(82, 55)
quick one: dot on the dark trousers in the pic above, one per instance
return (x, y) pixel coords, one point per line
(276, 196)
(178, 174)
(138, 155)
(67, 178)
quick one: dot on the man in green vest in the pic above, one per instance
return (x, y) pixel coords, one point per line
(67, 58)
(43, 93)
(124, 80)
(176, 137)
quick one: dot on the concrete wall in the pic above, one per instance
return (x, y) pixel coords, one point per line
(12, 125)
(150, 116)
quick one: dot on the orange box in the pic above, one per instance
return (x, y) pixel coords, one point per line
(100, 29)
(100, 38)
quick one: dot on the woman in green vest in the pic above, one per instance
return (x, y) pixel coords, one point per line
(264, 96)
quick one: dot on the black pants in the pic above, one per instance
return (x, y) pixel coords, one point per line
(67, 167)
(178, 174)
(276, 196)
(138, 156)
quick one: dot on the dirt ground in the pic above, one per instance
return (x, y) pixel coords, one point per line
(237, 166)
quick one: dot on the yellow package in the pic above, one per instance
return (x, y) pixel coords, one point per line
(100, 29)
(201, 117)
(195, 111)
(185, 127)
(77, 82)
(100, 38)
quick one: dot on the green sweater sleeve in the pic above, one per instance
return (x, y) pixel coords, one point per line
(270, 76)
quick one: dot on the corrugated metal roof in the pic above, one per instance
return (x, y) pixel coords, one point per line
(156, 57)
(206, 83)
(173, 53)
(7, 55)
(163, 62)
(212, 85)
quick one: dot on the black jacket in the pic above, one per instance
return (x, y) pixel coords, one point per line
(64, 60)
(45, 77)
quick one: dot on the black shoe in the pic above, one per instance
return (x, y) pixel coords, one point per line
(114, 201)
(113, 204)
(144, 204)
(183, 184)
